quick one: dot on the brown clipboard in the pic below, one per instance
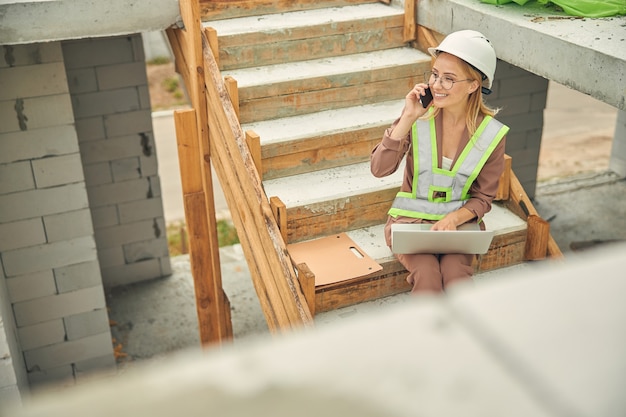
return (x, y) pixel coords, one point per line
(333, 258)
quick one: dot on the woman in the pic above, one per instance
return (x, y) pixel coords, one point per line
(468, 153)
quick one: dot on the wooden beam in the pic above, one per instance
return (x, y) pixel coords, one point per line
(537, 236)
(211, 303)
(211, 35)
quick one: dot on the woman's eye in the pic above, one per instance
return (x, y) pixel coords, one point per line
(448, 79)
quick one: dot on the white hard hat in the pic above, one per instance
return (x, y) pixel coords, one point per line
(475, 49)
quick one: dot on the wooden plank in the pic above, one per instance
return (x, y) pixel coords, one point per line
(226, 9)
(315, 220)
(213, 312)
(244, 56)
(312, 101)
(211, 35)
(280, 295)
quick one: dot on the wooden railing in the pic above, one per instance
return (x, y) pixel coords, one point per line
(220, 142)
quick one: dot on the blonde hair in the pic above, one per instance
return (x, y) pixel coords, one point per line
(476, 105)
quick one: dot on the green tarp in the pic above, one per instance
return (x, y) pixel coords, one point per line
(584, 8)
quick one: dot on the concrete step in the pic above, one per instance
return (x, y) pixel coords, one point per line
(297, 36)
(322, 203)
(228, 9)
(507, 249)
(327, 139)
(288, 89)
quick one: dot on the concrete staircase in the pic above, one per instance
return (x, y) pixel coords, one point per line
(319, 87)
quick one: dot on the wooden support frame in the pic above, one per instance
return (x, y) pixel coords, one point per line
(254, 145)
(213, 308)
(279, 293)
(410, 20)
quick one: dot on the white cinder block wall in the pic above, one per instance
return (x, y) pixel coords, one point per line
(522, 97)
(48, 251)
(109, 90)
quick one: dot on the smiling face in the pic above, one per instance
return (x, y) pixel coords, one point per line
(449, 67)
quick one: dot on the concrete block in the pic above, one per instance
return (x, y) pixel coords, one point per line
(144, 97)
(137, 46)
(42, 334)
(31, 286)
(129, 233)
(82, 80)
(86, 324)
(31, 54)
(104, 216)
(97, 174)
(140, 210)
(523, 85)
(105, 102)
(75, 277)
(149, 165)
(149, 249)
(166, 266)
(7, 375)
(121, 192)
(21, 234)
(512, 106)
(60, 376)
(617, 161)
(128, 274)
(90, 128)
(17, 176)
(125, 169)
(35, 113)
(58, 306)
(32, 81)
(37, 143)
(50, 172)
(129, 74)
(111, 149)
(97, 51)
(523, 121)
(128, 123)
(69, 352)
(69, 225)
(49, 255)
(113, 256)
(90, 369)
(28, 204)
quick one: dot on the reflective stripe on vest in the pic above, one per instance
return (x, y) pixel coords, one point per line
(437, 192)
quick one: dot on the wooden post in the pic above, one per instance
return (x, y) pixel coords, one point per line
(410, 18)
(254, 145)
(280, 214)
(213, 320)
(211, 35)
(306, 277)
(233, 92)
(505, 180)
(537, 236)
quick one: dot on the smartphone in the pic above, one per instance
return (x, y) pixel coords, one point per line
(426, 98)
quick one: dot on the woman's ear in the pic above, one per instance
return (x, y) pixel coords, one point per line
(473, 86)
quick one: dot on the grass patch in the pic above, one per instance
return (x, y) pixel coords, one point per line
(179, 245)
(159, 60)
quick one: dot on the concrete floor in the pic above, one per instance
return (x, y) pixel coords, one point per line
(154, 319)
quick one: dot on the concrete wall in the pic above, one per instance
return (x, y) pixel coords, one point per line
(521, 95)
(47, 248)
(109, 93)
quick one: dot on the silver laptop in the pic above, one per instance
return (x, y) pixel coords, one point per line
(418, 238)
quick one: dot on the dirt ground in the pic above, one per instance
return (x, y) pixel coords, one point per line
(566, 149)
